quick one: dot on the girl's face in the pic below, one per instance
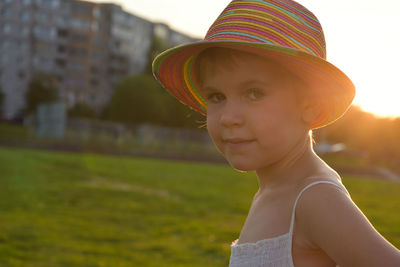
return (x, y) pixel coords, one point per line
(253, 114)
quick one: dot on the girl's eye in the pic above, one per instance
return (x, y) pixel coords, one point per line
(215, 98)
(255, 94)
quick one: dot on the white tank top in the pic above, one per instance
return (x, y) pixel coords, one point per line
(270, 252)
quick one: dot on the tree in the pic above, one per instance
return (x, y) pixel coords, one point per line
(41, 89)
(82, 110)
(141, 99)
(136, 100)
(365, 132)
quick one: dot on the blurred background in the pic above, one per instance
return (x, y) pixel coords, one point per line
(101, 167)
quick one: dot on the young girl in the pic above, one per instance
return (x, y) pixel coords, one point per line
(261, 78)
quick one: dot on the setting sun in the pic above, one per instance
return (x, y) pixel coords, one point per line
(385, 105)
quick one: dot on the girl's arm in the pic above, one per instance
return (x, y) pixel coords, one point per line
(331, 221)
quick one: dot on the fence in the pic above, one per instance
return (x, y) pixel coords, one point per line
(117, 138)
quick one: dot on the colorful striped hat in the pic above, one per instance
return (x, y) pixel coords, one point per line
(281, 30)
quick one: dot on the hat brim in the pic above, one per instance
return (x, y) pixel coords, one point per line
(335, 91)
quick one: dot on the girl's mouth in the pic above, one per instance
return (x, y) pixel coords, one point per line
(237, 142)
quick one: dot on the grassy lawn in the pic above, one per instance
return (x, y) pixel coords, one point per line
(65, 209)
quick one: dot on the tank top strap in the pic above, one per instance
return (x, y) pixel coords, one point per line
(301, 192)
(294, 211)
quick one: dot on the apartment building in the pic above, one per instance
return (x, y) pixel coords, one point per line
(89, 47)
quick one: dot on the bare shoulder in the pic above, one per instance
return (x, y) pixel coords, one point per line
(331, 221)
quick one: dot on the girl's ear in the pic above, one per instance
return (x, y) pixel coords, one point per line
(311, 109)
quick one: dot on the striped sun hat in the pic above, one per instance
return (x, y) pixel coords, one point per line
(281, 30)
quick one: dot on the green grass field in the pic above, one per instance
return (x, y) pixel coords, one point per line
(65, 209)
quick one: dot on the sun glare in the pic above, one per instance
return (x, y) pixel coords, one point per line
(380, 105)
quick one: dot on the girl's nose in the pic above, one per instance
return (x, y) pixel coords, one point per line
(231, 115)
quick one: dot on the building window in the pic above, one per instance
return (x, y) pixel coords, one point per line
(37, 60)
(76, 66)
(94, 70)
(77, 52)
(61, 49)
(94, 83)
(55, 4)
(61, 62)
(21, 74)
(42, 17)
(62, 21)
(25, 31)
(4, 59)
(62, 33)
(81, 38)
(6, 13)
(98, 41)
(96, 12)
(81, 8)
(92, 98)
(96, 56)
(22, 46)
(6, 28)
(48, 4)
(95, 27)
(80, 24)
(44, 32)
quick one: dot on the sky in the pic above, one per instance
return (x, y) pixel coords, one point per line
(362, 36)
